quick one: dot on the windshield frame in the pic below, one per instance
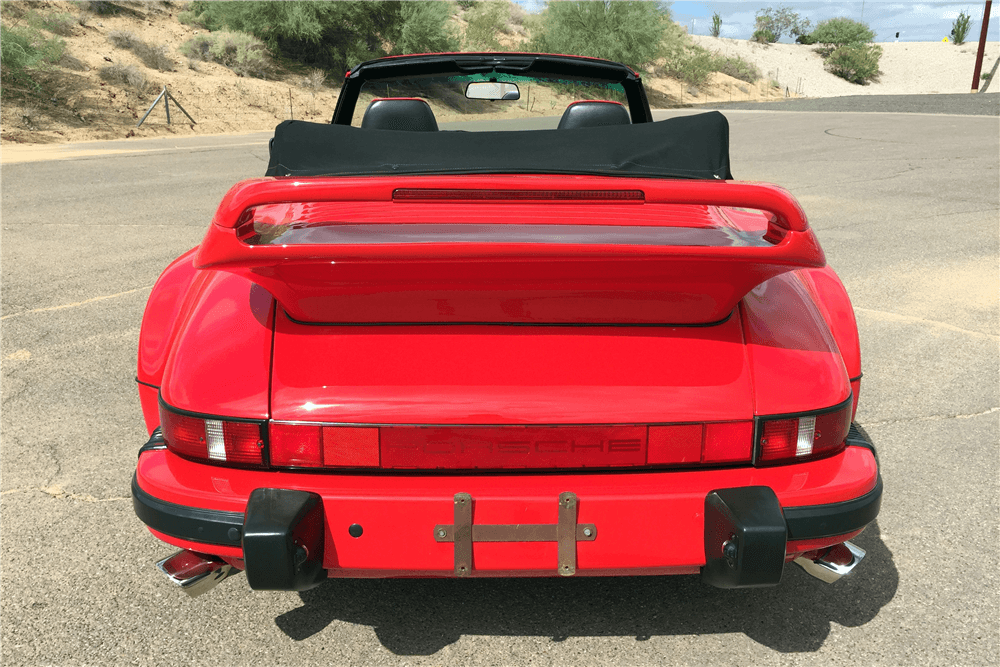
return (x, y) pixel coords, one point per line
(522, 64)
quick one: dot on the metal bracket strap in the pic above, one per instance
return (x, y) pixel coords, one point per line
(566, 533)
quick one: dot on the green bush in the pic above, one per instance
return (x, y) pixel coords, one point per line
(330, 35)
(692, 65)
(771, 23)
(486, 20)
(244, 54)
(840, 31)
(737, 68)
(23, 50)
(716, 25)
(857, 63)
(960, 28)
(424, 29)
(627, 32)
(805, 39)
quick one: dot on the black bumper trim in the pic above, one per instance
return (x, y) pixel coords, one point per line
(817, 521)
(188, 523)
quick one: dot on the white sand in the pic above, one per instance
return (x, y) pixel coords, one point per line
(908, 68)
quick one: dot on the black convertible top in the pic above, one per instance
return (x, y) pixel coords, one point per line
(685, 147)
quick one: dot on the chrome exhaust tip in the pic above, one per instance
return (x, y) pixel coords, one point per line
(833, 563)
(195, 573)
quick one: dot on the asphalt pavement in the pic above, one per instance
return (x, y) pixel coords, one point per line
(907, 208)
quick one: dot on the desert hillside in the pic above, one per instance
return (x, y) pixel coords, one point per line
(82, 102)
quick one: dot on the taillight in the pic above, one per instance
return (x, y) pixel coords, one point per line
(802, 437)
(321, 446)
(210, 439)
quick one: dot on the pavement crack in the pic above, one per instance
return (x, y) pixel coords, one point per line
(897, 317)
(77, 303)
(930, 418)
(56, 491)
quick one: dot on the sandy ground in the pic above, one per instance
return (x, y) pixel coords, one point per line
(907, 67)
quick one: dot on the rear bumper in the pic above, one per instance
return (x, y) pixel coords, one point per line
(651, 522)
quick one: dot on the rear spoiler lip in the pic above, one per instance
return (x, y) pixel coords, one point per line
(271, 190)
(484, 281)
(589, 325)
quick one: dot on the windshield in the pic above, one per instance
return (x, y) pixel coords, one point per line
(536, 95)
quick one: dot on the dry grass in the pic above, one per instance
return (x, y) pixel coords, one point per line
(314, 79)
(123, 39)
(126, 75)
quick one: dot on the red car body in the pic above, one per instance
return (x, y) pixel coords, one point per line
(521, 391)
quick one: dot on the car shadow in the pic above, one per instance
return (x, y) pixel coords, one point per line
(422, 616)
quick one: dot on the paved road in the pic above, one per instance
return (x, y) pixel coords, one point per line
(907, 209)
(987, 104)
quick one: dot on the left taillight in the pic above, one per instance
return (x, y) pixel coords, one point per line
(217, 439)
(802, 437)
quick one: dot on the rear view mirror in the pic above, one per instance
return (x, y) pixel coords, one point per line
(492, 90)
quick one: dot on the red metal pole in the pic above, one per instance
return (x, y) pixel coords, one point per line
(982, 47)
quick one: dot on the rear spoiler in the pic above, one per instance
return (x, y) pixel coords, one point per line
(515, 274)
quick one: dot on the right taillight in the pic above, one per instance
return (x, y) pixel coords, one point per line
(806, 436)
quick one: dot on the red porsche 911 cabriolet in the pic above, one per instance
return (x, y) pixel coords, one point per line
(415, 351)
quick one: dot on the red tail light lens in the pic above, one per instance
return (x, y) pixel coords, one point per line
(209, 439)
(803, 437)
(318, 446)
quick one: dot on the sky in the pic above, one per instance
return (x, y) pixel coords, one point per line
(915, 21)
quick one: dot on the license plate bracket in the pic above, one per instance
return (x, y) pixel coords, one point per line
(566, 533)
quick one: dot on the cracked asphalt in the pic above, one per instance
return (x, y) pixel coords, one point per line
(906, 207)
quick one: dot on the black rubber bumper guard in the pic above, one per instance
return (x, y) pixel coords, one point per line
(281, 532)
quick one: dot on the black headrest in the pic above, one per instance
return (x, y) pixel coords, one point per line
(593, 113)
(399, 113)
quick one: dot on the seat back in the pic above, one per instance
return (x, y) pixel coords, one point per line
(399, 113)
(593, 113)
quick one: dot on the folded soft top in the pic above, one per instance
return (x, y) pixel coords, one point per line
(686, 147)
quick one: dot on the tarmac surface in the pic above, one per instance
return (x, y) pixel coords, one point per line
(907, 209)
(986, 104)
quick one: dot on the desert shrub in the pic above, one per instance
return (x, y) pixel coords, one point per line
(125, 75)
(123, 39)
(771, 23)
(857, 63)
(101, 7)
(627, 32)
(840, 31)
(424, 29)
(190, 18)
(515, 24)
(244, 54)
(805, 39)
(23, 50)
(692, 65)
(486, 20)
(467, 4)
(197, 47)
(960, 28)
(60, 24)
(153, 56)
(716, 28)
(314, 79)
(737, 68)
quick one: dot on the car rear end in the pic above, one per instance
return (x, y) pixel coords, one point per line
(503, 376)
